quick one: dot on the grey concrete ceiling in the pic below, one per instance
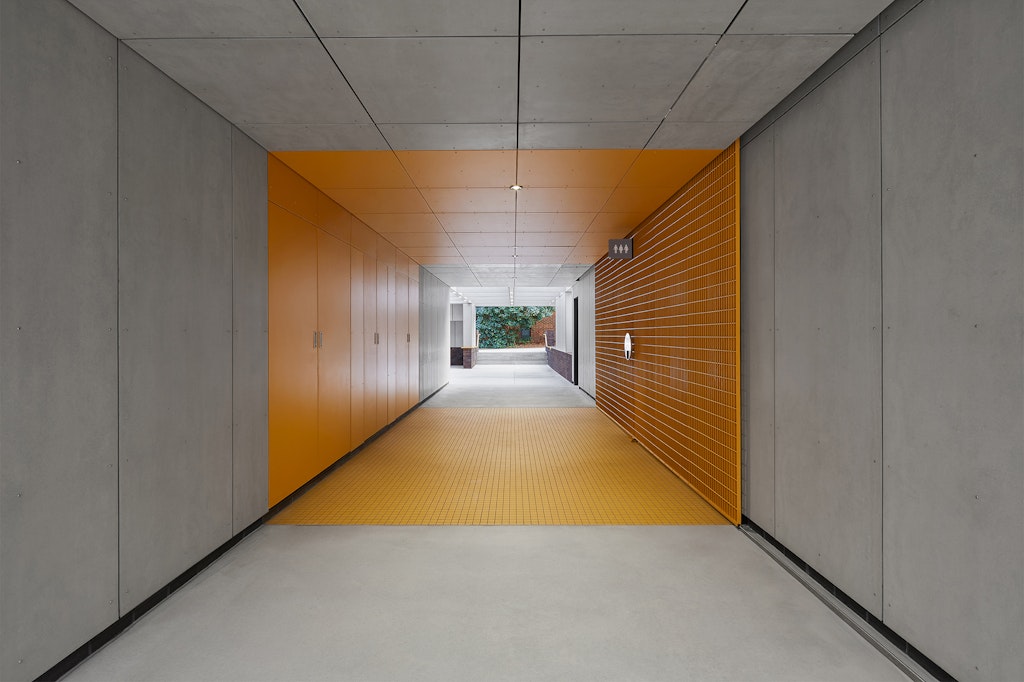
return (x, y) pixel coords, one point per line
(487, 74)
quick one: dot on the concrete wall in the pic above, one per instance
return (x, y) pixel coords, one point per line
(249, 361)
(435, 346)
(827, 337)
(132, 332)
(175, 329)
(58, 334)
(883, 329)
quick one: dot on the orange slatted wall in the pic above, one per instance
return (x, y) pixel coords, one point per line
(679, 299)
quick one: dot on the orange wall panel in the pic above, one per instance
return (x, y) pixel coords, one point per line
(414, 336)
(290, 191)
(292, 408)
(678, 298)
(357, 344)
(371, 347)
(334, 305)
(333, 275)
(333, 218)
(382, 345)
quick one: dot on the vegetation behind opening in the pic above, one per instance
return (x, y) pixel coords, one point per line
(508, 326)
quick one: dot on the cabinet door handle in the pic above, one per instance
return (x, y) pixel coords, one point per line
(314, 339)
(321, 339)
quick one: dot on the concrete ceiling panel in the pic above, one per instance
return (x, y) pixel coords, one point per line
(606, 78)
(747, 75)
(129, 19)
(597, 79)
(260, 80)
(711, 136)
(395, 18)
(478, 222)
(611, 17)
(616, 135)
(806, 16)
(460, 168)
(431, 136)
(431, 80)
(313, 137)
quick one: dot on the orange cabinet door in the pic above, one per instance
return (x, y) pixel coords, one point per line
(392, 347)
(371, 344)
(334, 366)
(357, 341)
(292, 408)
(414, 343)
(402, 342)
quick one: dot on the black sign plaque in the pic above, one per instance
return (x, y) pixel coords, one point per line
(620, 248)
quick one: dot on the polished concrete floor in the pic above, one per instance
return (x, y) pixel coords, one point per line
(502, 385)
(491, 603)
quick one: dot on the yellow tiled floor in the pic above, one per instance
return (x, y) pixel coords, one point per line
(501, 466)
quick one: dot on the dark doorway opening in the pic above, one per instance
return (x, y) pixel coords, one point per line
(576, 340)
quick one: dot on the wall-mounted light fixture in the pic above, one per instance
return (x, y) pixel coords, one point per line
(627, 346)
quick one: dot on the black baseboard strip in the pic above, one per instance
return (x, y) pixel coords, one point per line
(121, 624)
(83, 652)
(907, 658)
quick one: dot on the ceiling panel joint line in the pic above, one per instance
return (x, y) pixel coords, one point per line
(391, 148)
(689, 82)
(338, 67)
(519, 105)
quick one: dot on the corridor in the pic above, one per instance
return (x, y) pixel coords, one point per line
(618, 600)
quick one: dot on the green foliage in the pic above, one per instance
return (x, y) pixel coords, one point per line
(501, 327)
